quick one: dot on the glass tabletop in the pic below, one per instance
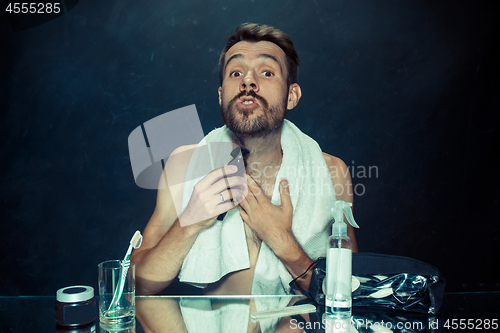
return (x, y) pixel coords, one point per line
(232, 314)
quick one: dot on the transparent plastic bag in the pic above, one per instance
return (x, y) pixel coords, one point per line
(386, 283)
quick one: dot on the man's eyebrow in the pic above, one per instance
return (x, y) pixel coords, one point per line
(262, 55)
(234, 56)
(269, 56)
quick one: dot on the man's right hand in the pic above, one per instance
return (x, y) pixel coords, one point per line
(219, 191)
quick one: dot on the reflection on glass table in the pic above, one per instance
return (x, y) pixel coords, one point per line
(212, 314)
(232, 314)
(474, 311)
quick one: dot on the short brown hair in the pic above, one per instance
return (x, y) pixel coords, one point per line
(253, 33)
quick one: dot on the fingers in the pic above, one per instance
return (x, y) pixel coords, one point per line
(203, 206)
(254, 189)
(250, 198)
(243, 214)
(220, 179)
(229, 182)
(227, 200)
(215, 183)
(219, 191)
(234, 195)
(286, 201)
(219, 174)
(257, 196)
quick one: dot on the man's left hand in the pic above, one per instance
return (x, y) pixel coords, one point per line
(271, 223)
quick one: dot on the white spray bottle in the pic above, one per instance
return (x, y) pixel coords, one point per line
(339, 264)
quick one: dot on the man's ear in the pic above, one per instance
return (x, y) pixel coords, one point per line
(220, 96)
(294, 94)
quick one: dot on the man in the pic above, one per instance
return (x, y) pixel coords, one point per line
(258, 71)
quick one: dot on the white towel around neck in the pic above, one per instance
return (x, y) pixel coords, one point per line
(222, 248)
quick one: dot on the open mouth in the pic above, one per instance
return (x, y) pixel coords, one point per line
(247, 103)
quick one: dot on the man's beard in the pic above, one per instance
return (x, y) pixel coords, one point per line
(269, 121)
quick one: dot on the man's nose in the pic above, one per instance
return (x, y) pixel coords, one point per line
(249, 82)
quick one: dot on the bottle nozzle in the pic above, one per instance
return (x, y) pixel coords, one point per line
(339, 209)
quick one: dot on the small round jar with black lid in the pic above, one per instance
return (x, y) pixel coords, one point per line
(75, 306)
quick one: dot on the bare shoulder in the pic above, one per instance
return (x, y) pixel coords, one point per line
(169, 197)
(333, 161)
(172, 177)
(184, 148)
(338, 169)
(341, 177)
(179, 158)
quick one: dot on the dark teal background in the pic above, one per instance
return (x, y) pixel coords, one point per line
(411, 87)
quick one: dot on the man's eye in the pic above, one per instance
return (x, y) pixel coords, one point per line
(235, 74)
(268, 73)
